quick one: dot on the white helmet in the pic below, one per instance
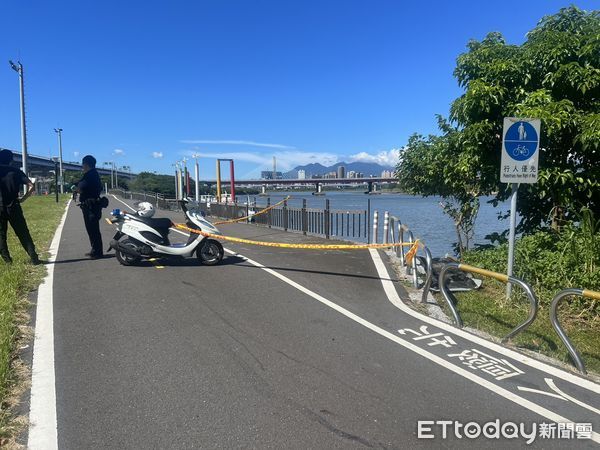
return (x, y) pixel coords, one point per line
(145, 209)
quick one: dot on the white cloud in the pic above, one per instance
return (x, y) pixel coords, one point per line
(76, 154)
(286, 160)
(157, 155)
(118, 152)
(385, 158)
(231, 142)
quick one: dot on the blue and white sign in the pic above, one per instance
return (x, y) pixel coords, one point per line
(520, 150)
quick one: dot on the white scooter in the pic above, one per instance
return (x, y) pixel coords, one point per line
(139, 236)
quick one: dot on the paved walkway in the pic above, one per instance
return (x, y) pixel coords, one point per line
(277, 348)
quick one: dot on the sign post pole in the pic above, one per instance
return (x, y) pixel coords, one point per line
(519, 164)
(511, 235)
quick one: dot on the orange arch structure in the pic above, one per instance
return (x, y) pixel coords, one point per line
(231, 177)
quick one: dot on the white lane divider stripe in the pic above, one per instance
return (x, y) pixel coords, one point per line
(568, 397)
(395, 299)
(42, 410)
(544, 412)
(387, 284)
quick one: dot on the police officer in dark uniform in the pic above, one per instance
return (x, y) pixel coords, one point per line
(89, 189)
(11, 181)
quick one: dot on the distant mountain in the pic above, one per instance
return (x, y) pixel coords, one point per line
(367, 169)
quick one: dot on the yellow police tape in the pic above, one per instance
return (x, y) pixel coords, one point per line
(410, 254)
(413, 249)
(255, 214)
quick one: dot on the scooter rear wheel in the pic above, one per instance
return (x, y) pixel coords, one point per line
(124, 258)
(210, 252)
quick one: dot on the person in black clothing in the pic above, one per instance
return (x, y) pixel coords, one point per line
(89, 189)
(11, 181)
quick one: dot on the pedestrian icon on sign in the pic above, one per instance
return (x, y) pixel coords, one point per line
(522, 132)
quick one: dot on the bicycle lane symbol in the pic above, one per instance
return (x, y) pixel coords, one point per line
(571, 402)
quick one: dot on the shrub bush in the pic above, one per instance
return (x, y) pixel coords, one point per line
(551, 261)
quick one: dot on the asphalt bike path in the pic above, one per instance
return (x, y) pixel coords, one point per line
(344, 278)
(273, 348)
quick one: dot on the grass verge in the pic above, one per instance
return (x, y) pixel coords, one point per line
(488, 310)
(16, 281)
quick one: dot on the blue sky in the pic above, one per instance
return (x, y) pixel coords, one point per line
(146, 83)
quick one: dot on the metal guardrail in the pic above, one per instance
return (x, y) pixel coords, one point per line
(559, 330)
(452, 301)
(394, 229)
(429, 274)
(158, 200)
(411, 269)
(328, 223)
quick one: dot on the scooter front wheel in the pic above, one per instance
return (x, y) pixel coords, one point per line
(210, 252)
(124, 258)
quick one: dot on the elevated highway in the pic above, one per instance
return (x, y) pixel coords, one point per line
(42, 165)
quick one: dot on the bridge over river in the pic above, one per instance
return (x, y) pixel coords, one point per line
(370, 182)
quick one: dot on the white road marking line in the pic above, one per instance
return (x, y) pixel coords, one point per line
(391, 293)
(544, 412)
(537, 391)
(42, 410)
(550, 383)
(395, 299)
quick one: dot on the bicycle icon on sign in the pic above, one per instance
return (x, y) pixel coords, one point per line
(520, 150)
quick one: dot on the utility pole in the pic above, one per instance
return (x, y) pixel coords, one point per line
(184, 175)
(181, 183)
(176, 165)
(19, 69)
(60, 160)
(116, 170)
(274, 168)
(197, 176)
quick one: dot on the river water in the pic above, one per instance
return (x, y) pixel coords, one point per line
(423, 215)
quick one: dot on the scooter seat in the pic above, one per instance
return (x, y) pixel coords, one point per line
(159, 224)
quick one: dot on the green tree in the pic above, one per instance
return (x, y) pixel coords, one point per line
(150, 182)
(555, 76)
(433, 166)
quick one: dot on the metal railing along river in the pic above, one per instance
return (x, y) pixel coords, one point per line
(158, 200)
(328, 223)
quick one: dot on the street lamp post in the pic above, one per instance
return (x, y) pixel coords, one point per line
(19, 69)
(61, 179)
(116, 170)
